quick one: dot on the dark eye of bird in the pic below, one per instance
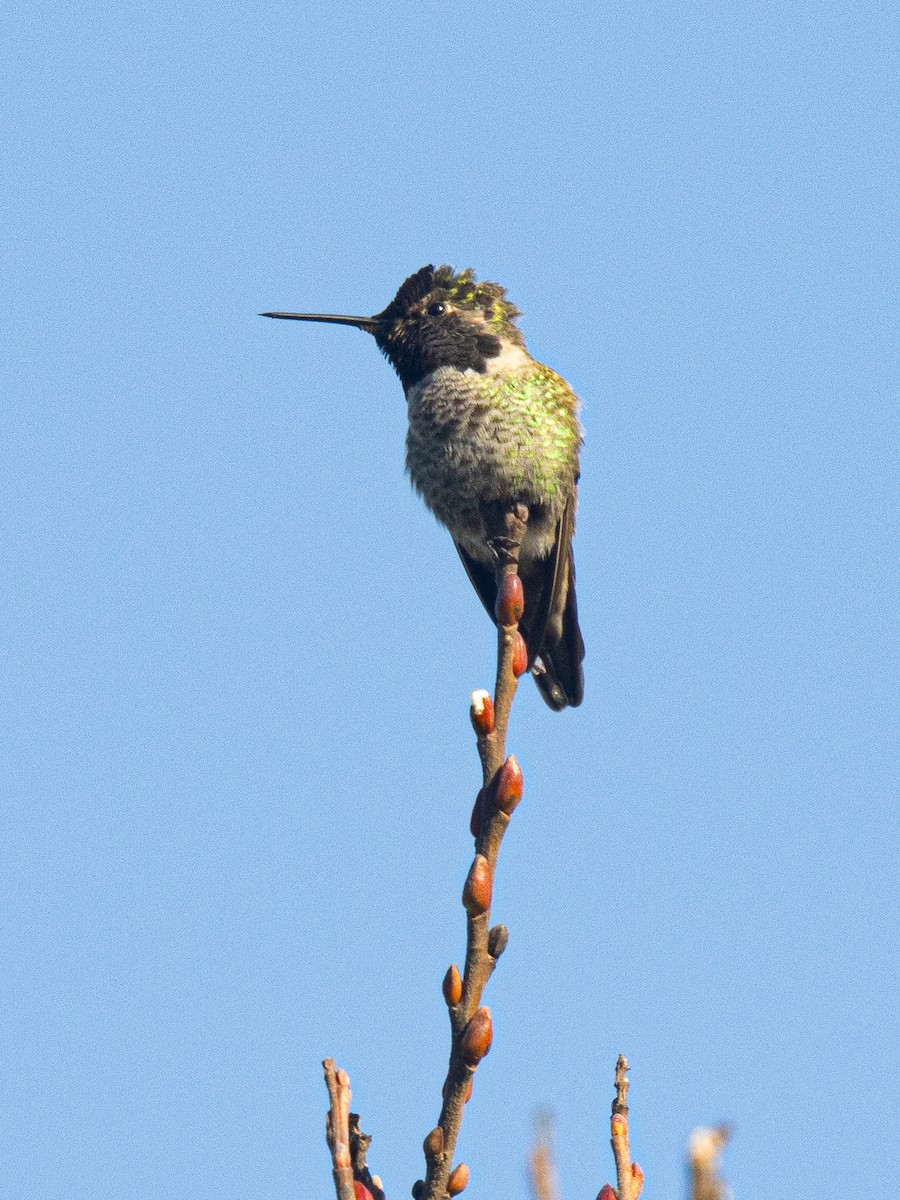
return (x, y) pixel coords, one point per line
(436, 309)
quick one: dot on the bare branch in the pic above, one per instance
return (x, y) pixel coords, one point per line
(704, 1151)
(471, 1024)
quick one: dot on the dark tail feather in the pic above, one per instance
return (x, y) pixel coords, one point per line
(550, 623)
(557, 668)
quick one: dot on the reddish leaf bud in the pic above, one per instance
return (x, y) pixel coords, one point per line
(458, 1179)
(607, 1192)
(434, 1143)
(476, 895)
(638, 1176)
(361, 1191)
(510, 601)
(520, 656)
(482, 713)
(452, 986)
(477, 1037)
(475, 819)
(498, 939)
(509, 786)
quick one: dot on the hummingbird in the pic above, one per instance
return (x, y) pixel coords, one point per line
(489, 424)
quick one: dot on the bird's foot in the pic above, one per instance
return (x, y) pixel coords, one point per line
(504, 529)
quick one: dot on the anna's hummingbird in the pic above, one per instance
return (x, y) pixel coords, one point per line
(488, 425)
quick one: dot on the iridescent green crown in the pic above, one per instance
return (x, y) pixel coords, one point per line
(462, 290)
(465, 291)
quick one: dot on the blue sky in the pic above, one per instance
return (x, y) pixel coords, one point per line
(238, 651)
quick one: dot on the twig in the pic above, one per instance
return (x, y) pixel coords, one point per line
(337, 1129)
(346, 1141)
(470, 1024)
(542, 1161)
(705, 1148)
(629, 1176)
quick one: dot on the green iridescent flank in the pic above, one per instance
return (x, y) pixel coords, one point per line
(524, 398)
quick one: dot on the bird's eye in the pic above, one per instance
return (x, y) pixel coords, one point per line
(436, 310)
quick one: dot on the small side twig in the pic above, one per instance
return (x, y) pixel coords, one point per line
(471, 1024)
(359, 1149)
(542, 1161)
(629, 1176)
(704, 1150)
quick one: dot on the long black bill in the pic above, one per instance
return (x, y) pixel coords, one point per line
(370, 324)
